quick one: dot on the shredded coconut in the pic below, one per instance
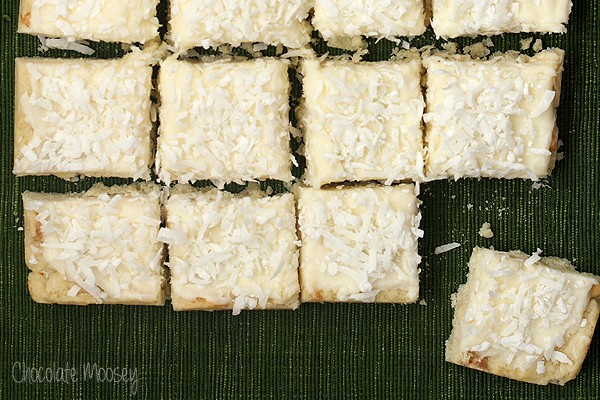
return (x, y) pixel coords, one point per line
(535, 257)
(128, 21)
(381, 19)
(210, 23)
(486, 231)
(362, 121)
(239, 251)
(446, 247)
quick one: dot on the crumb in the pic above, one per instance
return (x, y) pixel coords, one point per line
(526, 43)
(347, 43)
(537, 46)
(423, 303)
(259, 47)
(20, 228)
(358, 55)
(453, 196)
(477, 50)
(450, 47)
(486, 231)
(469, 206)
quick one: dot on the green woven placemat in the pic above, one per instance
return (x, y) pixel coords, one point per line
(318, 351)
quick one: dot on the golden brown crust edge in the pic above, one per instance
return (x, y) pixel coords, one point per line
(201, 304)
(394, 296)
(24, 22)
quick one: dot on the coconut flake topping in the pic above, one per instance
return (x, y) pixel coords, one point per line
(209, 23)
(224, 121)
(521, 310)
(238, 252)
(89, 117)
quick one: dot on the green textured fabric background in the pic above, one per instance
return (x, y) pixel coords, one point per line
(319, 351)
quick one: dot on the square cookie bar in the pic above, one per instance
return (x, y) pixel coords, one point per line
(362, 121)
(129, 21)
(231, 252)
(97, 247)
(210, 23)
(359, 244)
(224, 120)
(83, 117)
(380, 19)
(452, 18)
(524, 318)
(492, 118)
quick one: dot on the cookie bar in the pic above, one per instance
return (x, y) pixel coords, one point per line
(231, 252)
(129, 21)
(524, 317)
(492, 118)
(359, 244)
(210, 23)
(362, 121)
(224, 120)
(97, 247)
(83, 117)
(452, 18)
(380, 19)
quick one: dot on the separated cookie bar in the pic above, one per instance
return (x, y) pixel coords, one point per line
(129, 21)
(492, 118)
(231, 251)
(83, 117)
(210, 23)
(452, 18)
(359, 244)
(380, 19)
(97, 247)
(524, 318)
(362, 121)
(224, 120)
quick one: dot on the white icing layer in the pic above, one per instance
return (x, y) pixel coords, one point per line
(232, 251)
(89, 117)
(224, 120)
(105, 245)
(519, 311)
(362, 121)
(358, 243)
(381, 19)
(128, 21)
(492, 118)
(209, 23)
(453, 18)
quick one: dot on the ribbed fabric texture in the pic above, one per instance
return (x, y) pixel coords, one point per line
(319, 351)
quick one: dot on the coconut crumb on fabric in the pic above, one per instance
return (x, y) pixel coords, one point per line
(446, 247)
(537, 45)
(526, 43)
(486, 231)
(422, 302)
(450, 47)
(479, 49)
(358, 55)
